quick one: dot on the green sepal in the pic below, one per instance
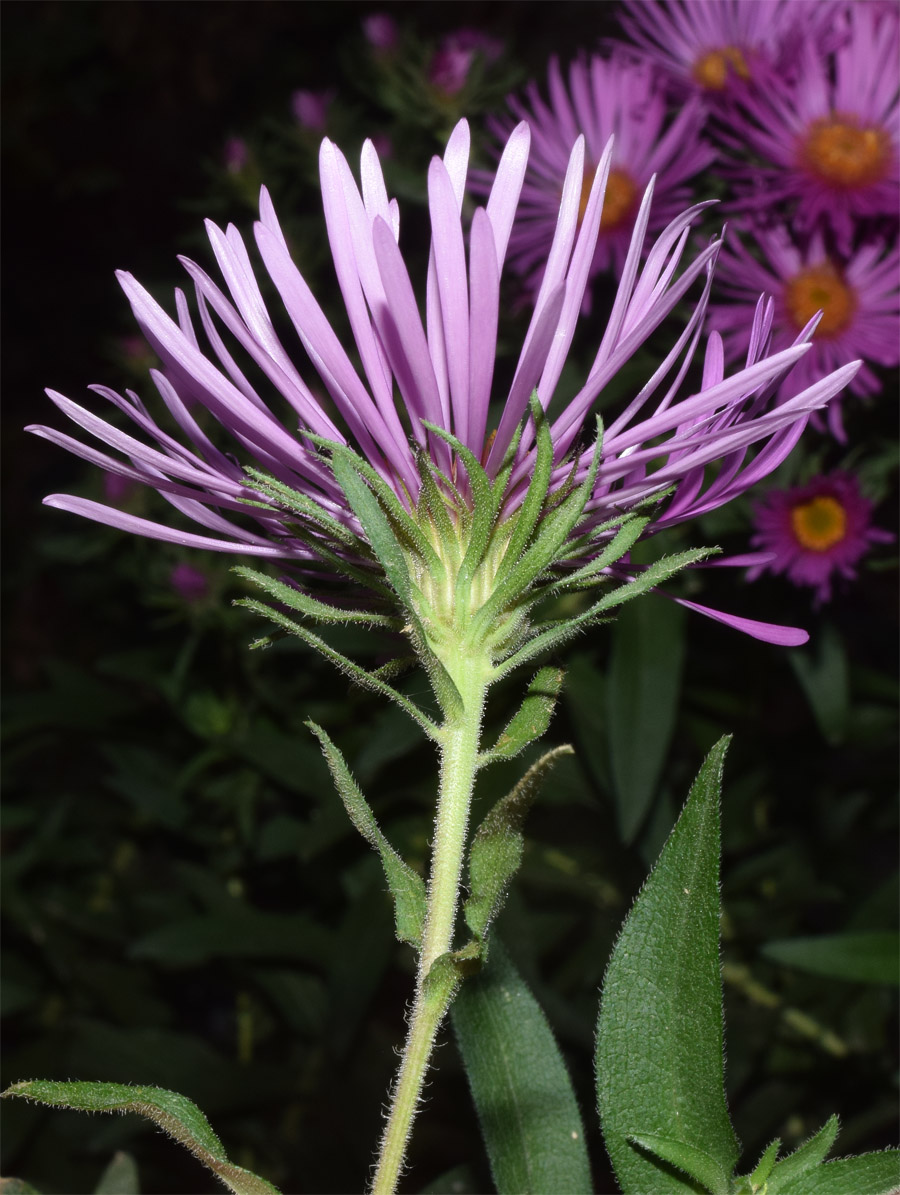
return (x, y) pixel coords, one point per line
(173, 1113)
(284, 496)
(863, 1174)
(17, 1186)
(623, 541)
(763, 1167)
(484, 509)
(660, 1050)
(655, 574)
(535, 496)
(501, 481)
(367, 680)
(312, 607)
(531, 719)
(543, 550)
(695, 1163)
(496, 851)
(406, 885)
(375, 523)
(436, 502)
(547, 637)
(806, 1157)
(529, 1116)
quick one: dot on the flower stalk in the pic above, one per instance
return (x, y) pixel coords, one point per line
(472, 672)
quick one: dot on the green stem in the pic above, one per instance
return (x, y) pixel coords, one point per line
(460, 736)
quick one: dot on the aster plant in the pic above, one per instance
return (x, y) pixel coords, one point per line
(396, 489)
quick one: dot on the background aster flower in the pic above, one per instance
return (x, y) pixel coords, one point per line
(710, 45)
(442, 371)
(619, 97)
(829, 138)
(858, 297)
(815, 532)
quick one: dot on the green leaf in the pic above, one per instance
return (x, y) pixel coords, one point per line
(810, 1154)
(643, 684)
(531, 719)
(659, 1055)
(407, 886)
(865, 1174)
(173, 1113)
(823, 676)
(695, 1163)
(764, 1166)
(496, 850)
(529, 1117)
(17, 1186)
(871, 957)
(120, 1177)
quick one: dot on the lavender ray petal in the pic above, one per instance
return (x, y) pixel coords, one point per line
(119, 519)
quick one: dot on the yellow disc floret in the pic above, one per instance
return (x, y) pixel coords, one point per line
(819, 524)
(820, 288)
(618, 200)
(844, 152)
(714, 69)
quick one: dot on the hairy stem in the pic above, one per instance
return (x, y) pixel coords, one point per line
(460, 737)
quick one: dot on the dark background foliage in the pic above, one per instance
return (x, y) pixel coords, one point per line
(185, 901)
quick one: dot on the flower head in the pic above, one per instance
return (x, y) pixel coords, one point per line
(858, 298)
(310, 108)
(189, 583)
(235, 154)
(710, 46)
(616, 97)
(815, 532)
(829, 137)
(449, 68)
(381, 32)
(416, 416)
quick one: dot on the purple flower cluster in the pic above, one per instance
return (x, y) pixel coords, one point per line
(796, 103)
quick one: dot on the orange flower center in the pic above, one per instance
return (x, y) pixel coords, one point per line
(713, 70)
(618, 202)
(844, 152)
(820, 288)
(819, 524)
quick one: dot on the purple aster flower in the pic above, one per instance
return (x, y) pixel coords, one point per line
(621, 98)
(381, 32)
(310, 108)
(829, 138)
(710, 45)
(858, 298)
(235, 155)
(815, 531)
(450, 65)
(189, 583)
(414, 377)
